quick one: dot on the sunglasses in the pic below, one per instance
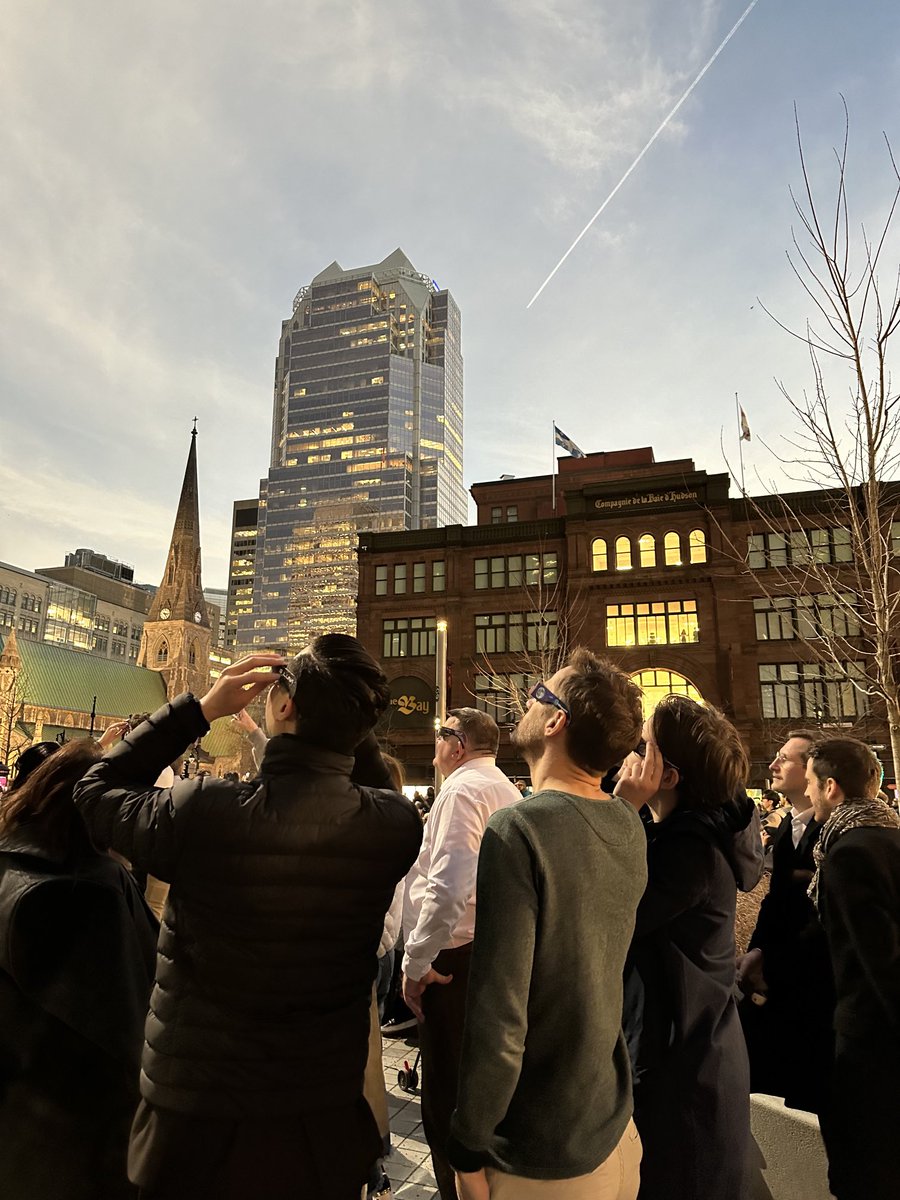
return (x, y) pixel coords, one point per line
(542, 694)
(445, 733)
(288, 680)
(641, 751)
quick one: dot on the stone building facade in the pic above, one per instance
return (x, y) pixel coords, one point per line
(644, 562)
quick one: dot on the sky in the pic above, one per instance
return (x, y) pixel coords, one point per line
(173, 173)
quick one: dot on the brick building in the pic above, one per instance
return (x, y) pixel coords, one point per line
(645, 562)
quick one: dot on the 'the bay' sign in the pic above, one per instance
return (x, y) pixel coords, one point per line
(411, 706)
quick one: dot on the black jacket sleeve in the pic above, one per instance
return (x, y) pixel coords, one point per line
(118, 802)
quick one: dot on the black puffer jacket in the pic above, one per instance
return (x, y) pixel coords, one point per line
(268, 946)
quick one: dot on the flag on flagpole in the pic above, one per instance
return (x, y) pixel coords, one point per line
(563, 440)
(745, 427)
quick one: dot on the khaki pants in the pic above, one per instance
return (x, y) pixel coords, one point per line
(618, 1178)
(374, 1088)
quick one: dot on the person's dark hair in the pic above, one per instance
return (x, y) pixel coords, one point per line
(705, 747)
(773, 797)
(338, 689)
(136, 719)
(478, 728)
(811, 736)
(44, 801)
(850, 763)
(605, 716)
(29, 760)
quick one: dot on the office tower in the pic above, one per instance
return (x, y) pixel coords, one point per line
(366, 435)
(244, 519)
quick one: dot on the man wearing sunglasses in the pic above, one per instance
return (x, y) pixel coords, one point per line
(439, 913)
(544, 1086)
(267, 951)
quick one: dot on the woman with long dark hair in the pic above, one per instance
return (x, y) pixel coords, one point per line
(692, 1077)
(77, 957)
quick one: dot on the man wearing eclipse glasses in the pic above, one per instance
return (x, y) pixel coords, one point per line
(439, 913)
(545, 1104)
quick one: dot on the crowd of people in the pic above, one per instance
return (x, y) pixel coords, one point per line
(193, 971)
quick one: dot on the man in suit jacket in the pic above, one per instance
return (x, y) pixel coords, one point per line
(786, 973)
(856, 890)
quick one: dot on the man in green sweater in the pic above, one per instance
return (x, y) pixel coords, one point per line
(545, 1085)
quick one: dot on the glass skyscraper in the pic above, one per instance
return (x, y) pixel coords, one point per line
(366, 435)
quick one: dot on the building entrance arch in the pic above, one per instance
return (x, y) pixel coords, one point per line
(656, 682)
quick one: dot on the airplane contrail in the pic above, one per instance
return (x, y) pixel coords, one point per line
(738, 23)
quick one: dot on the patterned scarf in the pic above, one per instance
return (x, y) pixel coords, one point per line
(851, 814)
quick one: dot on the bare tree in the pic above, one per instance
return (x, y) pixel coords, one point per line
(12, 709)
(552, 617)
(838, 583)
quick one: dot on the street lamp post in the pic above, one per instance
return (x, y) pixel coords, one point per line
(440, 688)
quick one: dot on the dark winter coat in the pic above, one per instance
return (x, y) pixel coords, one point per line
(77, 951)
(692, 1086)
(789, 1038)
(859, 903)
(268, 946)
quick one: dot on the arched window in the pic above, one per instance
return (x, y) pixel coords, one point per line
(623, 554)
(697, 546)
(655, 684)
(192, 654)
(599, 556)
(672, 546)
(162, 653)
(647, 550)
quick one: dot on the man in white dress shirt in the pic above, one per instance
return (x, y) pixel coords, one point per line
(439, 913)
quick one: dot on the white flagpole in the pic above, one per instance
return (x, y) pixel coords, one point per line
(553, 462)
(737, 413)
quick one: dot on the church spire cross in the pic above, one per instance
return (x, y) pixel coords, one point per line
(194, 430)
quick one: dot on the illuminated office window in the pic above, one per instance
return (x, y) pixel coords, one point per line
(656, 684)
(599, 555)
(697, 546)
(623, 554)
(672, 549)
(647, 550)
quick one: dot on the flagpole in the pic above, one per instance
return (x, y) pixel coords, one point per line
(737, 413)
(553, 462)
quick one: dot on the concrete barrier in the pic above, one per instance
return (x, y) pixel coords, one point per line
(791, 1162)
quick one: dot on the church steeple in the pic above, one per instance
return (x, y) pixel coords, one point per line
(176, 635)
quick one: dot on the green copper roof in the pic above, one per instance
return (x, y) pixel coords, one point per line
(56, 677)
(223, 740)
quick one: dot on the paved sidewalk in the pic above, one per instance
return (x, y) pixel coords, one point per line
(409, 1165)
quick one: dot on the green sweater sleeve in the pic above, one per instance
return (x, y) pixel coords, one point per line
(497, 1003)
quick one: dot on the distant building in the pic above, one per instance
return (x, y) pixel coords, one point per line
(241, 561)
(76, 606)
(642, 561)
(216, 602)
(366, 434)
